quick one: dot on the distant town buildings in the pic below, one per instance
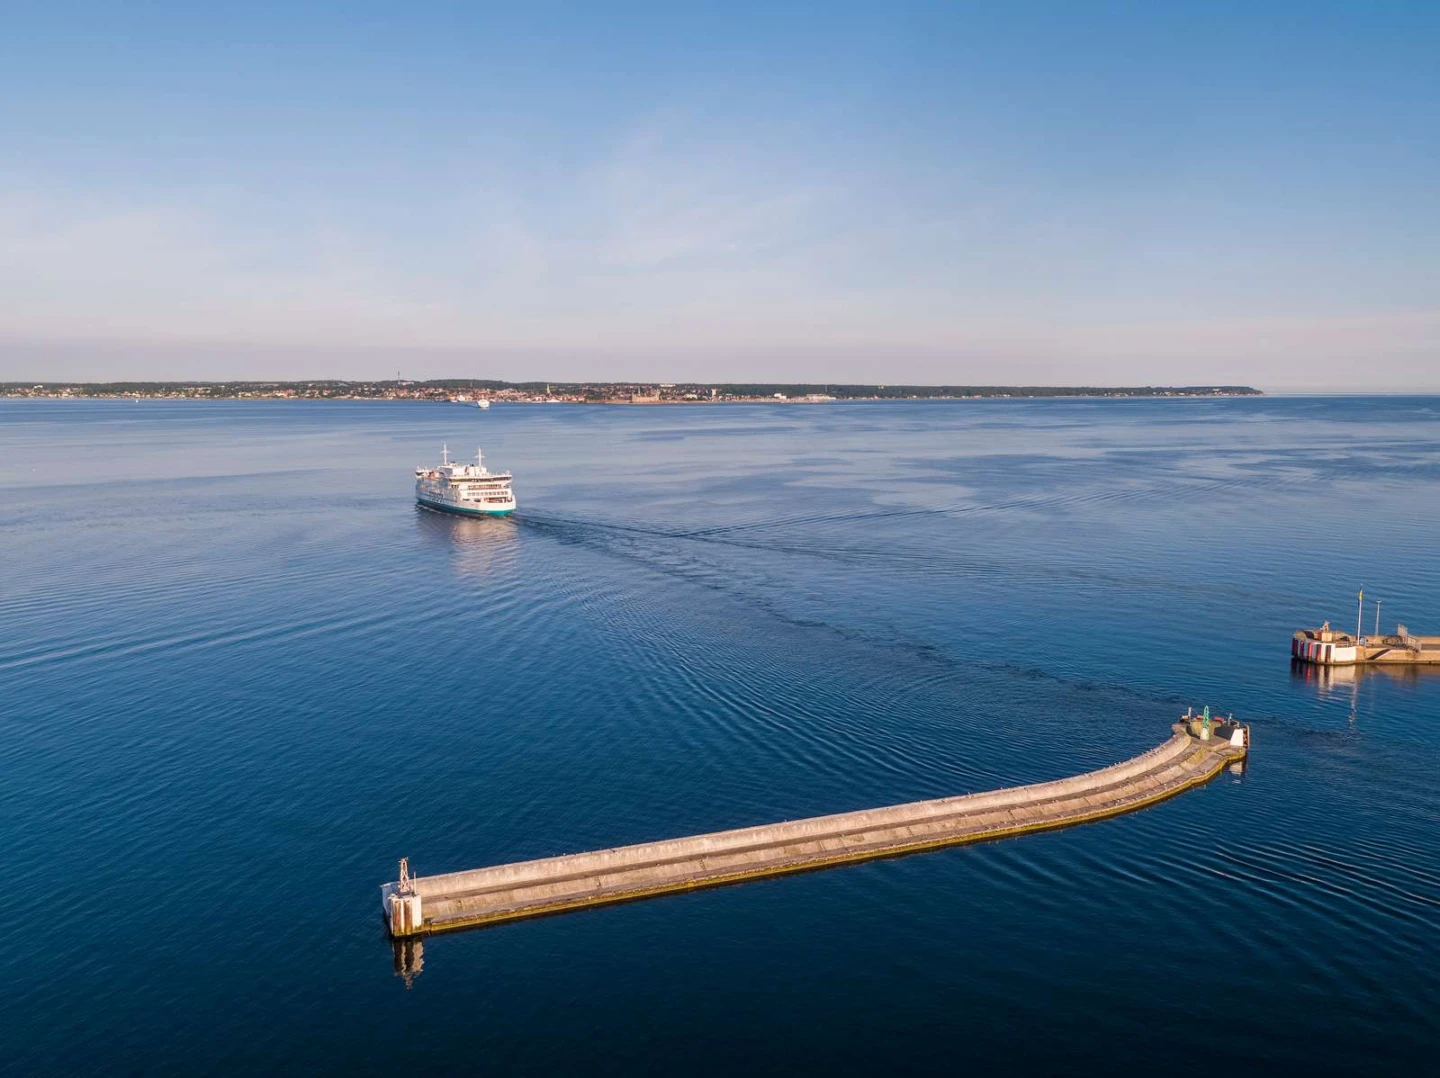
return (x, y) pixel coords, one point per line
(469, 391)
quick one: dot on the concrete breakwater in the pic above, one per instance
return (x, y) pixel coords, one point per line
(419, 905)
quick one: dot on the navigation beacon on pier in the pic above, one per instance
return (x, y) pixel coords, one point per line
(467, 489)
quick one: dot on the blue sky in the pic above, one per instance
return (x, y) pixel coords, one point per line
(1052, 193)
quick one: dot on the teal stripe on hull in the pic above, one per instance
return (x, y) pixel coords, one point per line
(441, 507)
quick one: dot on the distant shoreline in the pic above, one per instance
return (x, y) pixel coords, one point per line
(470, 391)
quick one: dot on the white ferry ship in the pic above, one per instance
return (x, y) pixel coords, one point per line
(468, 489)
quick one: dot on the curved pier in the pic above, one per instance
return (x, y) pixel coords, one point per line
(420, 905)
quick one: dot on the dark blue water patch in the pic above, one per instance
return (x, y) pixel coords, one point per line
(242, 674)
(660, 436)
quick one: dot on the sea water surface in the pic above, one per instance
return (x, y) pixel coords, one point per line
(241, 674)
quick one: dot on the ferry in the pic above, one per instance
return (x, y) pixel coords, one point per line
(483, 402)
(470, 490)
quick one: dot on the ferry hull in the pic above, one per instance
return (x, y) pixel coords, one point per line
(465, 511)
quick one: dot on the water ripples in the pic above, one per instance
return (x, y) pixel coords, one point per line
(257, 690)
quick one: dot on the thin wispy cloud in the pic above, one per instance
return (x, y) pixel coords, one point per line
(954, 200)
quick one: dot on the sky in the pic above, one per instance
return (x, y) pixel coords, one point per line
(1017, 193)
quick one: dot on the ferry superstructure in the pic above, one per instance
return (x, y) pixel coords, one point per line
(469, 490)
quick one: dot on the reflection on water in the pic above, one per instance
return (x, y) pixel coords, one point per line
(409, 959)
(1333, 677)
(1362, 686)
(1323, 677)
(484, 548)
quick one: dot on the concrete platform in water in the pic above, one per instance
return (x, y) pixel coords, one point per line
(419, 905)
(1330, 647)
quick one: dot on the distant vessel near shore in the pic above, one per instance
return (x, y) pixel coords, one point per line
(466, 489)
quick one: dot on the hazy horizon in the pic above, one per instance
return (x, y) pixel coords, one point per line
(1043, 195)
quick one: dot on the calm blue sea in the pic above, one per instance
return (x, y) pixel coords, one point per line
(241, 674)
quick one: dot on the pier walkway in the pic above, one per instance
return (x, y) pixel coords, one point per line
(420, 905)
